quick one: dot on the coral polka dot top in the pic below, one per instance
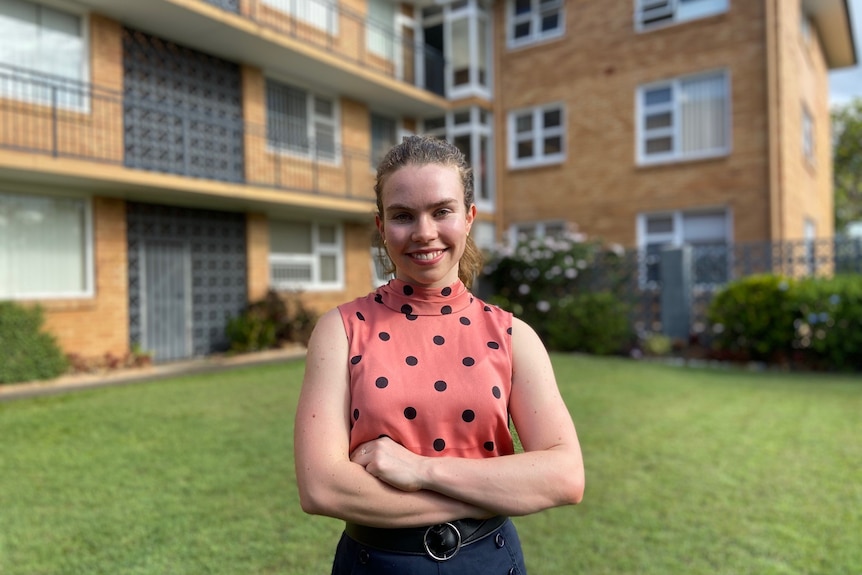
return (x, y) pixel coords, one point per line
(431, 368)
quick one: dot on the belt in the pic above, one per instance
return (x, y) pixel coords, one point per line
(439, 542)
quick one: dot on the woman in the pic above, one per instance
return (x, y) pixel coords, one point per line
(402, 423)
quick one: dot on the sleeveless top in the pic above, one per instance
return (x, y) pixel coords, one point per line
(431, 368)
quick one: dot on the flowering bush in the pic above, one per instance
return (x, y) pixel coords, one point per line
(539, 278)
(828, 321)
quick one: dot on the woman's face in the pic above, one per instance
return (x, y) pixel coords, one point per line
(425, 224)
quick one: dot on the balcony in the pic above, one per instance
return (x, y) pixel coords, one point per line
(219, 161)
(319, 42)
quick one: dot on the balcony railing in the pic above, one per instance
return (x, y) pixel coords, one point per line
(349, 35)
(57, 117)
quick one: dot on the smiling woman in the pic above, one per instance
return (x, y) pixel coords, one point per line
(402, 427)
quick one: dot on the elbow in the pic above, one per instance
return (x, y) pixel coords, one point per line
(311, 500)
(572, 487)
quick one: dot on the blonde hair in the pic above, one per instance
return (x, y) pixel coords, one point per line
(422, 151)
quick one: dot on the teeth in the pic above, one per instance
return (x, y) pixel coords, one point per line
(426, 256)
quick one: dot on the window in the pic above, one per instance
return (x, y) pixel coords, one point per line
(305, 255)
(807, 135)
(300, 122)
(47, 50)
(380, 29)
(536, 136)
(543, 229)
(685, 118)
(530, 21)
(384, 135)
(470, 130)
(706, 231)
(649, 13)
(45, 247)
(321, 14)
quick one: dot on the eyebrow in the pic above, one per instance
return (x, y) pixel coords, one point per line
(440, 204)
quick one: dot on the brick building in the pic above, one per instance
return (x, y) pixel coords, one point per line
(162, 163)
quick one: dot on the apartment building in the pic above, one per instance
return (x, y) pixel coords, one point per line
(163, 163)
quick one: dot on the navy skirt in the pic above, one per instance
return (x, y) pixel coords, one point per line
(497, 554)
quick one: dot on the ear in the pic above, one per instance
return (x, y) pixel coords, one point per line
(379, 223)
(471, 216)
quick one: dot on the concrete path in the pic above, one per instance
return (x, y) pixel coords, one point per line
(69, 383)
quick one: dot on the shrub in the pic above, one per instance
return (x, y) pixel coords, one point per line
(828, 321)
(270, 321)
(752, 317)
(28, 352)
(595, 323)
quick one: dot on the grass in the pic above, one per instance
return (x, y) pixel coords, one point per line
(688, 471)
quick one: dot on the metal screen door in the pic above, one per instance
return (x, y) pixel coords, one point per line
(166, 302)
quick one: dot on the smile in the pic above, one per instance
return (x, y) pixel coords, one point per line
(426, 256)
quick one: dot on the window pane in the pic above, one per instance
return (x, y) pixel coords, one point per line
(659, 145)
(328, 268)
(663, 120)
(659, 225)
(702, 113)
(323, 107)
(523, 6)
(462, 117)
(432, 124)
(290, 238)
(43, 245)
(550, 22)
(524, 123)
(657, 96)
(522, 30)
(327, 234)
(553, 118)
(553, 145)
(383, 134)
(525, 149)
(286, 119)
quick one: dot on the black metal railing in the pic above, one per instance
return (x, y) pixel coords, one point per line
(62, 118)
(349, 35)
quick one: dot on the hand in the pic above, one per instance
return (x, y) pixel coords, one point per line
(391, 463)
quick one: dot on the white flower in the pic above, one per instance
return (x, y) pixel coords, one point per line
(523, 289)
(543, 306)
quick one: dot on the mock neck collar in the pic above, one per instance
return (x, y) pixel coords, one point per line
(412, 300)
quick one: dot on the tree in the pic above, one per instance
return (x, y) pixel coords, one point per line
(847, 158)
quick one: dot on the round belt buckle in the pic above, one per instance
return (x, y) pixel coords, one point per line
(443, 550)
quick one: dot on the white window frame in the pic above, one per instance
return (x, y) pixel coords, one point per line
(79, 98)
(652, 14)
(478, 126)
(522, 231)
(312, 121)
(807, 136)
(675, 238)
(533, 18)
(399, 132)
(675, 130)
(537, 136)
(311, 260)
(380, 35)
(322, 14)
(88, 253)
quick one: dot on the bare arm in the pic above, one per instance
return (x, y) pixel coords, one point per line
(329, 483)
(549, 473)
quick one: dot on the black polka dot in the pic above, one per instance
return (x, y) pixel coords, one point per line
(355, 359)
(446, 309)
(446, 291)
(381, 382)
(496, 391)
(489, 446)
(468, 415)
(411, 360)
(439, 339)
(407, 309)
(439, 444)
(410, 412)
(383, 336)
(408, 290)
(378, 298)
(509, 331)
(487, 308)
(464, 321)
(360, 316)
(355, 414)
(468, 361)
(493, 345)
(411, 317)
(440, 385)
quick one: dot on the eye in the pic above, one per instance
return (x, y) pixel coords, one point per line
(443, 212)
(401, 217)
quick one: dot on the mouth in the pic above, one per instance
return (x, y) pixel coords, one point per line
(426, 256)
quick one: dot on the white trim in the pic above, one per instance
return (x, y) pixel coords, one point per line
(534, 19)
(317, 13)
(312, 260)
(539, 158)
(671, 12)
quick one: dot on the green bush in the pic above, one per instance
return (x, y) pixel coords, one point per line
(271, 321)
(27, 352)
(596, 323)
(828, 321)
(752, 318)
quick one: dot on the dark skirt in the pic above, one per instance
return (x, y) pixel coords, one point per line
(497, 554)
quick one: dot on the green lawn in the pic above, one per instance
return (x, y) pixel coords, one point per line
(688, 471)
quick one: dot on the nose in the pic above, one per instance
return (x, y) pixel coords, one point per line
(425, 230)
